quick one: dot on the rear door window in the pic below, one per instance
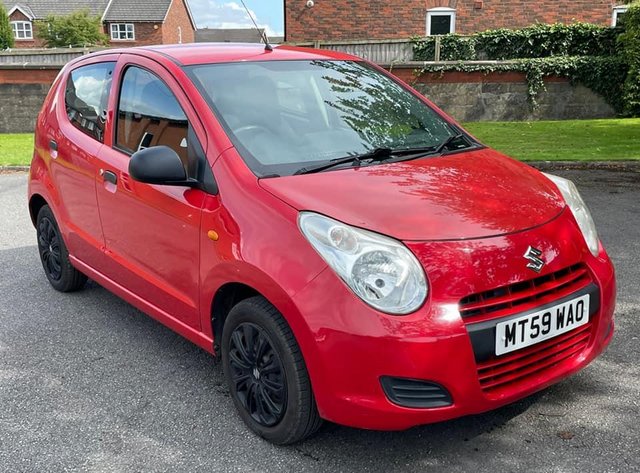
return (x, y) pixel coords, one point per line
(86, 97)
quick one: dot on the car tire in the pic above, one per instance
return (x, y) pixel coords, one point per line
(260, 354)
(54, 254)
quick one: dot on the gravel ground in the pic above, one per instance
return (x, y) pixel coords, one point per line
(88, 383)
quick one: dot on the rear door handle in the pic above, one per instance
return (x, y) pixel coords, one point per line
(53, 145)
(110, 176)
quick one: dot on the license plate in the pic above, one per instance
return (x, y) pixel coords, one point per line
(539, 326)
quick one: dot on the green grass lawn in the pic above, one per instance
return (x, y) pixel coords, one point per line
(16, 149)
(570, 140)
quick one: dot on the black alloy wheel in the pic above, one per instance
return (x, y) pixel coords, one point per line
(258, 375)
(266, 373)
(50, 251)
(54, 254)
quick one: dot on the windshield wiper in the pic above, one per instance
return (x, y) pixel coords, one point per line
(382, 154)
(440, 148)
(437, 150)
(377, 154)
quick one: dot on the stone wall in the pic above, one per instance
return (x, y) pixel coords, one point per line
(502, 96)
(19, 106)
(465, 96)
(507, 101)
(22, 92)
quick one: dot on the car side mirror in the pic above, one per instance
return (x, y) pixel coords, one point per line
(159, 165)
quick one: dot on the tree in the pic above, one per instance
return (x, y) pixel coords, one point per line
(6, 33)
(76, 29)
(630, 42)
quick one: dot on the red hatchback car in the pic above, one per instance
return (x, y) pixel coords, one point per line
(349, 250)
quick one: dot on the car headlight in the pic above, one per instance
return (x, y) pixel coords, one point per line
(580, 211)
(380, 270)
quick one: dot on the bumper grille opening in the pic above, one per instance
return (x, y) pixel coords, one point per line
(504, 371)
(415, 393)
(507, 300)
(482, 311)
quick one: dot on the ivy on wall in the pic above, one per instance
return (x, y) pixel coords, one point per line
(606, 60)
(577, 39)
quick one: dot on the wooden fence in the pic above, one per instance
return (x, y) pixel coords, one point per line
(49, 57)
(385, 52)
(391, 51)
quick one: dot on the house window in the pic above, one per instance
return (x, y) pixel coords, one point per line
(441, 21)
(618, 15)
(122, 32)
(22, 30)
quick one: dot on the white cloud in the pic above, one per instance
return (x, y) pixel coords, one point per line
(89, 90)
(226, 15)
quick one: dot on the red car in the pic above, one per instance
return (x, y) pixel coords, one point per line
(348, 249)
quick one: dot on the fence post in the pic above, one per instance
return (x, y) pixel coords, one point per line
(437, 48)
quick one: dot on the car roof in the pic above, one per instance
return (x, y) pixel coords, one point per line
(211, 53)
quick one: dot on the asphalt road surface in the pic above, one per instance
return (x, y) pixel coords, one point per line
(88, 383)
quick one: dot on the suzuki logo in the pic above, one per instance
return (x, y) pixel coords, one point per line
(535, 262)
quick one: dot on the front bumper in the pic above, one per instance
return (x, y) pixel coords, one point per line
(355, 346)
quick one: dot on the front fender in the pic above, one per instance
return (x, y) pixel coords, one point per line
(256, 242)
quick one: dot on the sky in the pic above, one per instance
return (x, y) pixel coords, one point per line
(230, 14)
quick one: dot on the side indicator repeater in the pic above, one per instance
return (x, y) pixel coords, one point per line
(213, 235)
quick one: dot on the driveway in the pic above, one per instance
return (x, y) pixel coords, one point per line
(88, 383)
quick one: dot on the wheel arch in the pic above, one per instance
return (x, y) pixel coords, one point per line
(225, 298)
(36, 202)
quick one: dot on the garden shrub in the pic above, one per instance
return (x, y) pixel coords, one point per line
(629, 41)
(577, 39)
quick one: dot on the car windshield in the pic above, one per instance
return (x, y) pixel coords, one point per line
(284, 115)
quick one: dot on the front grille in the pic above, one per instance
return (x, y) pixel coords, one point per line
(415, 393)
(503, 371)
(482, 311)
(518, 297)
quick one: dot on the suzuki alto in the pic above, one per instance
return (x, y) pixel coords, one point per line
(348, 250)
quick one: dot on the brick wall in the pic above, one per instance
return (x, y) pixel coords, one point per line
(520, 13)
(177, 17)
(353, 19)
(389, 19)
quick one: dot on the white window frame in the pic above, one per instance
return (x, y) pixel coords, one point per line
(21, 25)
(117, 28)
(441, 11)
(616, 12)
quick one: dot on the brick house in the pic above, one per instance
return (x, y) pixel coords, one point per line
(125, 22)
(336, 20)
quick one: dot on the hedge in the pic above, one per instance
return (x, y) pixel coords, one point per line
(629, 43)
(577, 39)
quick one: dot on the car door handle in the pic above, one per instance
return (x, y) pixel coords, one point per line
(110, 176)
(53, 145)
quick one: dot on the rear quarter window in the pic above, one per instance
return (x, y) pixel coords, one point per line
(86, 96)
